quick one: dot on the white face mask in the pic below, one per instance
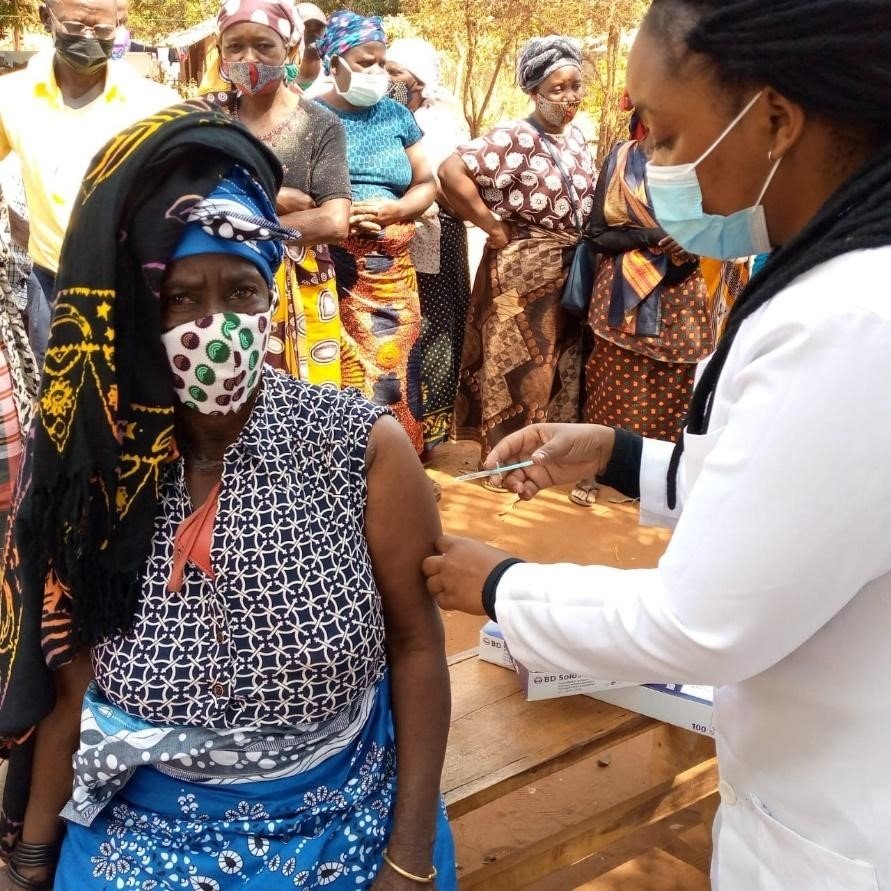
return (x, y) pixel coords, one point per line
(365, 89)
(217, 361)
(677, 203)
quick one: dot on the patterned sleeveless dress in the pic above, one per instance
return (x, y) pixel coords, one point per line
(242, 731)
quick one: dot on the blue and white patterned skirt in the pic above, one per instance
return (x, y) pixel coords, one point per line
(324, 828)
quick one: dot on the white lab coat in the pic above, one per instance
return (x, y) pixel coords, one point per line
(775, 588)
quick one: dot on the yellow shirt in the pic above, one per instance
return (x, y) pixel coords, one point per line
(55, 143)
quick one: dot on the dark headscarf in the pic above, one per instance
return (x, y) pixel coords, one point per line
(542, 56)
(83, 522)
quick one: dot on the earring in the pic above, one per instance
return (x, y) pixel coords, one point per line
(770, 156)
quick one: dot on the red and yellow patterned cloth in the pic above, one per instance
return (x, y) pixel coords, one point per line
(381, 317)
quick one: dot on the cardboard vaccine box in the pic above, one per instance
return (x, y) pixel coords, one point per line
(536, 684)
(493, 648)
(685, 705)
(553, 684)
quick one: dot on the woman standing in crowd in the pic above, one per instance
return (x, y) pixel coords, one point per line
(392, 187)
(315, 197)
(439, 248)
(522, 353)
(246, 721)
(650, 311)
(771, 127)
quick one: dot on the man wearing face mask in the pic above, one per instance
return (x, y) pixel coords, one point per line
(60, 110)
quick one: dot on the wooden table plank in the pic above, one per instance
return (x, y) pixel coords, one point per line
(500, 742)
(597, 832)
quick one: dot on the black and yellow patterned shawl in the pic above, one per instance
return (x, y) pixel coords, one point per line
(104, 427)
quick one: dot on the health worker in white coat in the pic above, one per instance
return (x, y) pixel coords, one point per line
(770, 127)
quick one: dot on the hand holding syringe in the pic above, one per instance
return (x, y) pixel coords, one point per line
(547, 455)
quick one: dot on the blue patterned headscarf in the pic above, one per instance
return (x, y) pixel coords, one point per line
(236, 218)
(345, 30)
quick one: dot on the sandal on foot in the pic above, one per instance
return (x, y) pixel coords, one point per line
(584, 493)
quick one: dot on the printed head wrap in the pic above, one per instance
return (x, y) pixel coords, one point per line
(542, 56)
(236, 218)
(276, 14)
(345, 30)
(419, 57)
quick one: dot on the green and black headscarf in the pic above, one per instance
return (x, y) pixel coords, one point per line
(104, 429)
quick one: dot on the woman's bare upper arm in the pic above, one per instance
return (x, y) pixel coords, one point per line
(402, 526)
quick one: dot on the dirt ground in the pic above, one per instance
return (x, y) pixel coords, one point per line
(552, 529)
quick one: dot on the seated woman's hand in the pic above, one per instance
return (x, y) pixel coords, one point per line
(457, 573)
(563, 453)
(291, 200)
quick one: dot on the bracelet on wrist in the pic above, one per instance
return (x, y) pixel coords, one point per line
(42, 854)
(27, 883)
(421, 880)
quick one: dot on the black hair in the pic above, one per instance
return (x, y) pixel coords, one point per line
(832, 57)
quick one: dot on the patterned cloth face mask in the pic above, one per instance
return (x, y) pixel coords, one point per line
(557, 113)
(216, 361)
(252, 78)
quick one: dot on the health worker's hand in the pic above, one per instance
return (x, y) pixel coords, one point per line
(457, 573)
(563, 453)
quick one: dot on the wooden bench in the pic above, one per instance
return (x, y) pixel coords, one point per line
(499, 742)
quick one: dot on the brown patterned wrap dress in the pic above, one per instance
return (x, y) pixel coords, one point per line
(521, 360)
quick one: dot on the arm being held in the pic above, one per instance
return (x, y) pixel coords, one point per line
(402, 524)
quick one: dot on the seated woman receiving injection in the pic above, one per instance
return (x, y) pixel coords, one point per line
(266, 689)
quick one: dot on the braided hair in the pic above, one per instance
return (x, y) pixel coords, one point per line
(832, 57)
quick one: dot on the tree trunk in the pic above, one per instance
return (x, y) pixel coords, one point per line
(499, 64)
(609, 113)
(16, 26)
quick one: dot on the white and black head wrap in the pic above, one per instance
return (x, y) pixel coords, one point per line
(542, 56)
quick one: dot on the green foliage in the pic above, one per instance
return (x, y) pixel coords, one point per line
(371, 7)
(17, 16)
(151, 21)
(480, 40)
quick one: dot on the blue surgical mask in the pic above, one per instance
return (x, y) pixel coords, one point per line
(677, 203)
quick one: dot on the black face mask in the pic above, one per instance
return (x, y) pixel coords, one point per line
(86, 55)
